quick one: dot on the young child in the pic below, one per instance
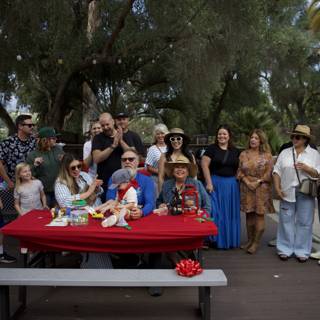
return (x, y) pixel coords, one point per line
(28, 192)
(126, 199)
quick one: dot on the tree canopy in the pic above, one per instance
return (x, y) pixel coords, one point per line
(188, 63)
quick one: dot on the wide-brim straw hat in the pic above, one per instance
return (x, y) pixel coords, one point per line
(192, 167)
(302, 130)
(176, 132)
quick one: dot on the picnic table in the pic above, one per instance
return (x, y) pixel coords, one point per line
(152, 233)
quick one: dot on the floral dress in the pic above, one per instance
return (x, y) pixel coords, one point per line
(255, 168)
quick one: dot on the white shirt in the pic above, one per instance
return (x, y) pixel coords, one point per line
(154, 154)
(129, 197)
(87, 147)
(285, 169)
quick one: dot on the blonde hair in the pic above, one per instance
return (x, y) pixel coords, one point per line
(160, 127)
(264, 146)
(64, 176)
(19, 168)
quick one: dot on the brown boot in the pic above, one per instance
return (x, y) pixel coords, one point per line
(250, 234)
(255, 244)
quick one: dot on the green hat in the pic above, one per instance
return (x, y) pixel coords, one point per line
(47, 132)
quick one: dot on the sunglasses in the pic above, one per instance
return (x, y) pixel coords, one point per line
(73, 168)
(178, 139)
(30, 125)
(296, 137)
(130, 159)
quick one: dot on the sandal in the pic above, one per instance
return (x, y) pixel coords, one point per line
(283, 257)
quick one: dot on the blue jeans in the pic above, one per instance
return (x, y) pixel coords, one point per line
(295, 226)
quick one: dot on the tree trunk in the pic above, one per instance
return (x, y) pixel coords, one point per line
(5, 117)
(301, 111)
(89, 101)
(59, 110)
(219, 106)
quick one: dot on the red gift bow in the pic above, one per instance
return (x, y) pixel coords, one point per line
(188, 268)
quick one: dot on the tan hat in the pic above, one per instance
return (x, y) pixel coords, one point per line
(192, 167)
(302, 130)
(176, 132)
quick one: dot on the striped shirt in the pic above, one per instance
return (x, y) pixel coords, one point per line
(63, 194)
(153, 155)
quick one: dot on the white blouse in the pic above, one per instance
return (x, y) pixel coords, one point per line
(285, 169)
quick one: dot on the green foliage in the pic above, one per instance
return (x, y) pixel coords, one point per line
(188, 63)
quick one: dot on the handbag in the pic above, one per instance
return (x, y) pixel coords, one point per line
(307, 186)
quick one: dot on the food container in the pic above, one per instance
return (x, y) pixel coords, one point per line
(79, 217)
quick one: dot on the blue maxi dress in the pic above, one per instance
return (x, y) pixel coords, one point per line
(226, 196)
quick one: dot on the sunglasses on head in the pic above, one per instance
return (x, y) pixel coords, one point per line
(73, 168)
(173, 139)
(30, 125)
(296, 137)
(130, 159)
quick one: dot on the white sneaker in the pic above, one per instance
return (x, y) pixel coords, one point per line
(110, 221)
(315, 255)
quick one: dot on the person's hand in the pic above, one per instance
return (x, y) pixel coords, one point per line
(117, 138)
(10, 184)
(93, 186)
(135, 213)
(280, 193)
(38, 161)
(46, 207)
(162, 205)
(120, 133)
(302, 166)
(252, 185)
(209, 187)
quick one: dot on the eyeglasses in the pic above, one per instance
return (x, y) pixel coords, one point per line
(30, 125)
(178, 139)
(130, 159)
(296, 137)
(73, 168)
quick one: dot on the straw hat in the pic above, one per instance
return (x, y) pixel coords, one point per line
(176, 132)
(302, 130)
(192, 167)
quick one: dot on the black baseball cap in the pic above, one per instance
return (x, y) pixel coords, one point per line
(122, 115)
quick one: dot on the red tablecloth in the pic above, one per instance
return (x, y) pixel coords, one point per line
(149, 234)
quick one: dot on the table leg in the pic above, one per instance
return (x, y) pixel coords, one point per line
(23, 289)
(4, 303)
(201, 299)
(207, 310)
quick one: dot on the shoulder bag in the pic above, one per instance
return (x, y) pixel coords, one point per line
(307, 186)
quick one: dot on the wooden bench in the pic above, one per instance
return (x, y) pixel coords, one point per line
(108, 278)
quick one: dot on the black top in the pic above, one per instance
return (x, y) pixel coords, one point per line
(132, 139)
(107, 167)
(222, 164)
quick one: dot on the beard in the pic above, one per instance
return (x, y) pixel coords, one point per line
(108, 132)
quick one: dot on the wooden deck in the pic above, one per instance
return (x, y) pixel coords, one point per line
(261, 287)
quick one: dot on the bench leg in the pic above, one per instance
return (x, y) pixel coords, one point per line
(4, 303)
(205, 302)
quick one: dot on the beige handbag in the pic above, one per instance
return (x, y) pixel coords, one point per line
(307, 186)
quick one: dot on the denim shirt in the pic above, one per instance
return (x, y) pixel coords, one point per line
(166, 193)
